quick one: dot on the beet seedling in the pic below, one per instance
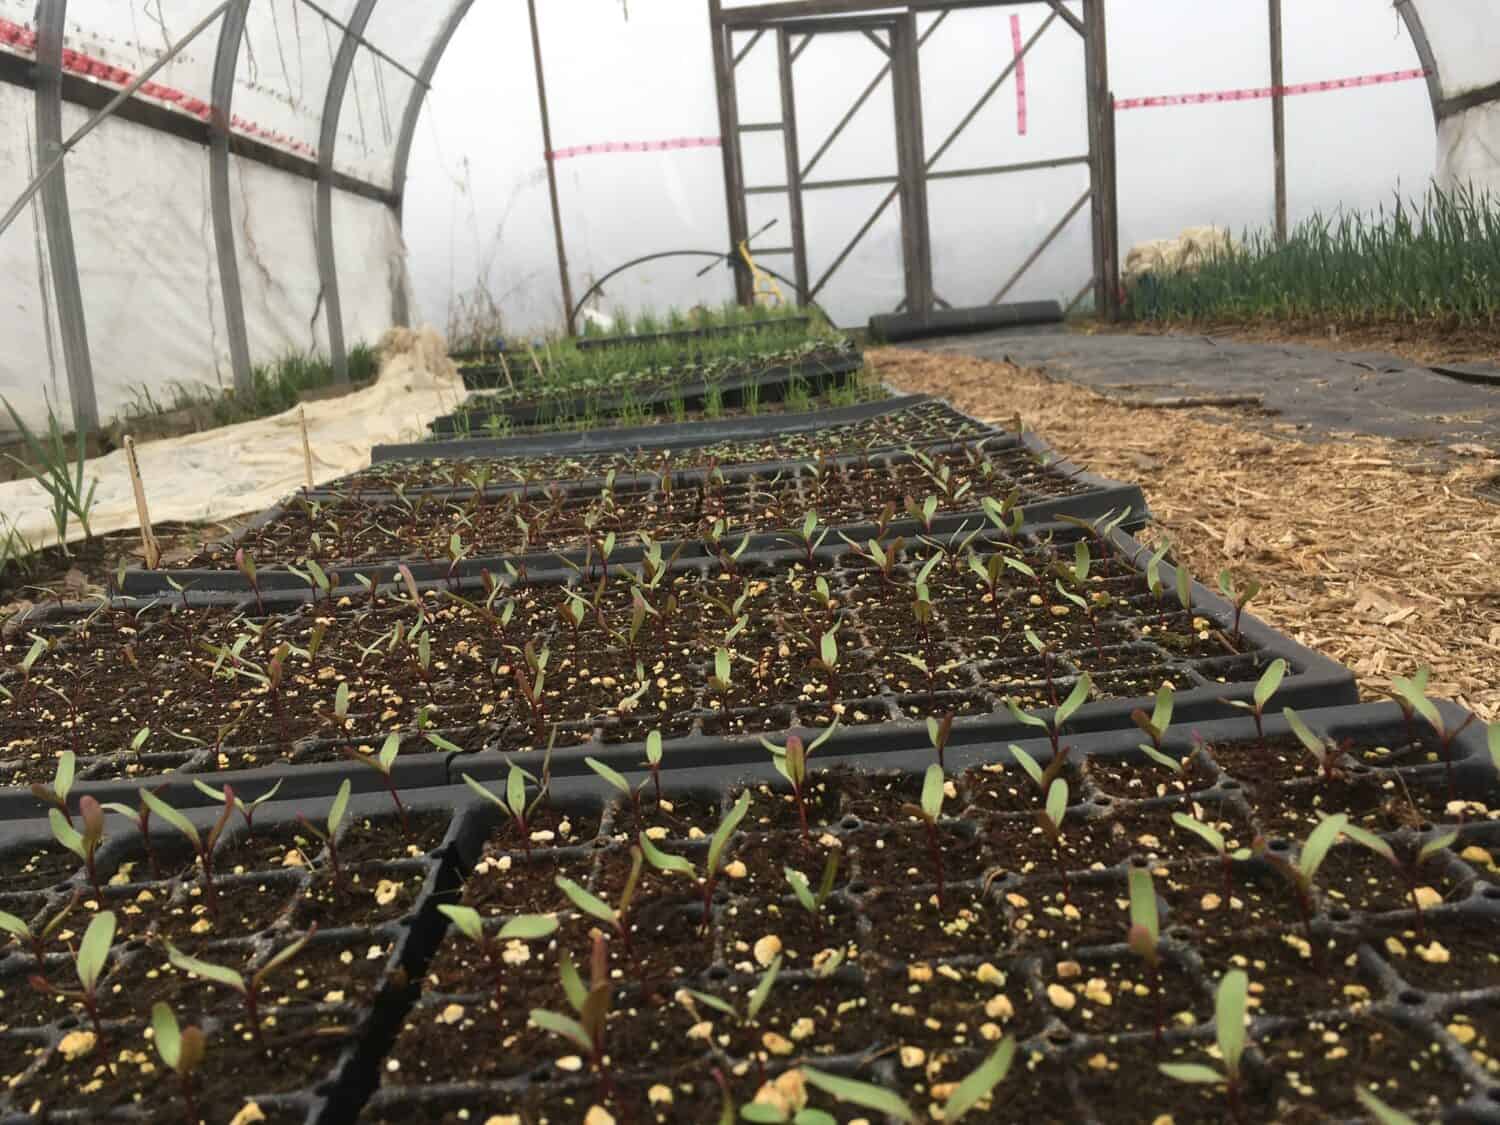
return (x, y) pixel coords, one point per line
(1060, 715)
(85, 844)
(329, 835)
(1416, 697)
(142, 818)
(203, 842)
(1005, 514)
(938, 732)
(36, 940)
(1144, 937)
(1382, 1113)
(1265, 688)
(617, 917)
(182, 1049)
(1051, 820)
(653, 761)
(384, 764)
(245, 564)
(1153, 571)
(1418, 686)
(929, 811)
(590, 1002)
(863, 1094)
(1322, 749)
(753, 1003)
(980, 1083)
(1304, 871)
(56, 794)
(713, 864)
(1230, 1004)
(89, 962)
(810, 900)
(807, 538)
(513, 803)
(791, 762)
(1239, 597)
(246, 809)
(1155, 725)
(1410, 873)
(248, 987)
(1215, 840)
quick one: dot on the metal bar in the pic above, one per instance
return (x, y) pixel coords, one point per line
(800, 47)
(401, 310)
(855, 181)
(864, 97)
(761, 127)
(984, 98)
(729, 151)
(1002, 169)
(793, 163)
(1278, 115)
(753, 15)
(557, 229)
(745, 50)
(940, 303)
(1101, 167)
(107, 110)
(367, 45)
(873, 38)
(1041, 249)
(1077, 297)
(51, 19)
(1067, 16)
(1469, 99)
(333, 105)
(766, 189)
(231, 34)
(1423, 45)
(853, 242)
(906, 82)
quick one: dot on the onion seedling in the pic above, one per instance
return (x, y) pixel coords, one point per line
(713, 864)
(810, 900)
(1051, 820)
(1215, 840)
(248, 987)
(36, 940)
(203, 842)
(330, 835)
(1265, 688)
(590, 1002)
(89, 961)
(1301, 874)
(1144, 936)
(929, 811)
(1230, 1005)
(791, 762)
(85, 844)
(56, 794)
(246, 809)
(1411, 872)
(595, 907)
(753, 1004)
(182, 1049)
(1060, 715)
(1416, 697)
(1240, 597)
(1322, 749)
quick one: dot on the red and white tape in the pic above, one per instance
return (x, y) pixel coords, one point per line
(633, 146)
(1015, 42)
(1254, 93)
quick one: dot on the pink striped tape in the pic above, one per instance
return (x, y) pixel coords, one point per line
(633, 146)
(1258, 92)
(1015, 42)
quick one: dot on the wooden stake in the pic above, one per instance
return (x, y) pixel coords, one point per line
(149, 546)
(505, 367)
(306, 447)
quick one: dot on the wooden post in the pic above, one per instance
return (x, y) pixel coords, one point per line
(911, 165)
(1101, 162)
(149, 547)
(557, 230)
(1278, 119)
(793, 163)
(729, 151)
(306, 447)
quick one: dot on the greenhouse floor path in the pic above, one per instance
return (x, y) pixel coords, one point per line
(1372, 551)
(1320, 392)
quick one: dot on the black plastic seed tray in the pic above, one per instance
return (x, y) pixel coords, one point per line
(1062, 489)
(1070, 989)
(772, 384)
(885, 704)
(685, 435)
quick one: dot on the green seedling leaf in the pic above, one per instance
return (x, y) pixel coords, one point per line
(980, 1082)
(160, 808)
(1269, 681)
(762, 991)
(665, 861)
(586, 901)
(1367, 839)
(219, 974)
(828, 649)
(1143, 911)
(566, 1026)
(1075, 700)
(1161, 713)
(1304, 733)
(862, 1094)
(340, 805)
(725, 830)
(1493, 735)
(801, 888)
(67, 767)
(442, 743)
(166, 1034)
(1057, 801)
(66, 835)
(391, 748)
(1382, 1113)
(515, 791)
(573, 987)
(1414, 692)
(1022, 717)
(717, 1003)
(932, 792)
(14, 926)
(1229, 1017)
(1195, 1073)
(1184, 588)
(93, 951)
(653, 748)
(1029, 764)
(1431, 847)
(465, 920)
(1166, 761)
(609, 774)
(1205, 832)
(1315, 849)
(528, 927)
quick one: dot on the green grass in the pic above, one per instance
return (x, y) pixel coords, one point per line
(648, 321)
(278, 386)
(1433, 259)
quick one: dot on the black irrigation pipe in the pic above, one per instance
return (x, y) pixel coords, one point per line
(771, 384)
(685, 435)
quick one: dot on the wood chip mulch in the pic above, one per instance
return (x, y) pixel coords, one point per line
(1368, 550)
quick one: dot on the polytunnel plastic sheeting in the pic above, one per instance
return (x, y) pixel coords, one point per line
(1465, 40)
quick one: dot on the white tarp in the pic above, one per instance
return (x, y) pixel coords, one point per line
(248, 467)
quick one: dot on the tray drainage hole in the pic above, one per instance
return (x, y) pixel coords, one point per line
(1232, 786)
(1492, 893)
(1339, 914)
(1494, 1094)
(1102, 801)
(1412, 997)
(1060, 1037)
(1280, 846)
(850, 822)
(1425, 827)
(718, 972)
(858, 888)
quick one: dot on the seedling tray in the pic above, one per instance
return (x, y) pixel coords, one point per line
(762, 501)
(476, 702)
(686, 336)
(770, 384)
(908, 419)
